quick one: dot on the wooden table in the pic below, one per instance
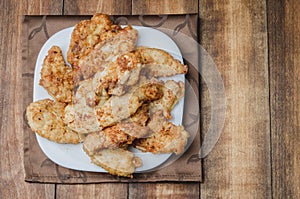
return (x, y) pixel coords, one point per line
(256, 45)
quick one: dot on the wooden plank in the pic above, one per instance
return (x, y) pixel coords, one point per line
(12, 184)
(164, 190)
(157, 7)
(37, 7)
(83, 7)
(235, 35)
(104, 190)
(284, 58)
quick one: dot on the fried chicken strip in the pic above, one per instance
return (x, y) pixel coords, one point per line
(166, 137)
(159, 63)
(116, 108)
(45, 117)
(117, 161)
(86, 34)
(56, 77)
(120, 42)
(172, 92)
(80, 116)
(116, 76)
(110, 138)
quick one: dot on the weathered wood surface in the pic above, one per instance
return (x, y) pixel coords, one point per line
(37, 7)
(256, 47)
(164, 190)
(284, 62)
(164, 7)
(105, 190)
(83, 7)
(12, 183)
(235, 35)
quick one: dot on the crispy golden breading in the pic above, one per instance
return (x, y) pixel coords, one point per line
(172, 92)
(133, 129)
(125, 71)
(141, 116)
(117, 161)
(108, 50)
(116, 108)
(87, 34)
(169, 139)
(56, 77)
(110, 138)
(149, 91)
(84, 94)
(81, 118)
(45, 117)
(156, 121)
(159, 63)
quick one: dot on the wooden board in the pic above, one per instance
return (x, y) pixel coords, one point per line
(37, 7)
(284, 58)
(164, 190)
(11, 109)
(83, 7)
(152, 7)
(235, 35)
(105, 190)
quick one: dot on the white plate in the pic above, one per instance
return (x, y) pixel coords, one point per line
(72, 156)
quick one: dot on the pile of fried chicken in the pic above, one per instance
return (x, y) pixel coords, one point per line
(110, 97)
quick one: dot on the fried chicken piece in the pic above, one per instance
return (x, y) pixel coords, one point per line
(125, 71)
(45, 117)
(117, 161)
(116, 108)
(85, 94)
(140, 117)
(156, 121)
(56, 77)
(168, 139)
(148, 91)
(172, 92)
(87, 34)
(133, 129)
(110, 138)
(80, 116)
(122, 41)
(159, 63)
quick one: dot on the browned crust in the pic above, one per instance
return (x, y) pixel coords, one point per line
(45, 117)
(128, 160)
(166, 137)
(56, 77)
(86, 34)
(159, 63)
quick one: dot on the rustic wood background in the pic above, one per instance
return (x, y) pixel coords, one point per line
(256, 45)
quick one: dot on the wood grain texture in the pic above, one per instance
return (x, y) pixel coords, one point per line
(83, 7)
(235, 35)
(12, 184)
(164, 190)
(284, 58)
(153, 7)
(103, 190)
(37, 7)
